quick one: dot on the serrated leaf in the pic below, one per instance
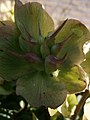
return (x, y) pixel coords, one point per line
(39, 89)
(73, 79)
(32, 20)
(79, 34)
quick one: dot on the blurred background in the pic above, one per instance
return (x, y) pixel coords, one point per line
(58, 10)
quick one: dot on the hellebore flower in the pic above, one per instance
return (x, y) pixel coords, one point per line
(31, 50)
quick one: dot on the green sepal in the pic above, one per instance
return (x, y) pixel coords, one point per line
(29, 46)
(53, 63)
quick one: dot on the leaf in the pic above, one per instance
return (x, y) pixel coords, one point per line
(72, 101)
(39, 89)
(71, 26)
(1, 80)
(40, 86)
(12, 67)
(32, 19)
(79, 34)
(86, 64)
(67, 106)
(8, 34)
(27, 46)
(73, 79)
(4, 91)
(6, 88)
(64, 109)
(19, 3)
(24, 45)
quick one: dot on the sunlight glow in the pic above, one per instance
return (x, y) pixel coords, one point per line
(55, 73)
(52, 111)
(86, 47)
(6, 10)
(87, 109)
(5, 6)
(22, 104)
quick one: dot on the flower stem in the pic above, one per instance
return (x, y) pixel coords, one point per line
(80, 104)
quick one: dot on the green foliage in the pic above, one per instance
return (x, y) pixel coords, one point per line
(68, 105)
(31, 51)
(39, 90)
(31, 20)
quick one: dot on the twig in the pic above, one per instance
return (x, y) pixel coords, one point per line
(80, 104)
